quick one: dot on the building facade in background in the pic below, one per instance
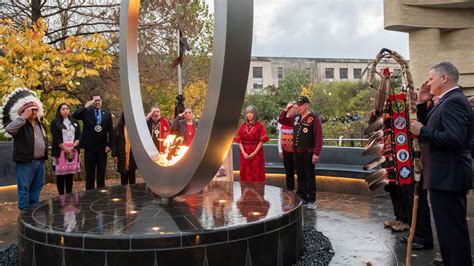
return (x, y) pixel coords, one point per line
(270, 71)
(439, 30)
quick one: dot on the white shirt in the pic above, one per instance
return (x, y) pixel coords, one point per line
(68, 132)
(442, 95)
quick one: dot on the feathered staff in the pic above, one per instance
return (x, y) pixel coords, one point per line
(388, 128)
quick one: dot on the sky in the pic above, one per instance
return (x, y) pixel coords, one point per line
(322, 28)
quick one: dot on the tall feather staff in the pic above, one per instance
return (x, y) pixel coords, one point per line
(399, 151)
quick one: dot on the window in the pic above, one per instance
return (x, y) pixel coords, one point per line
(343, 73)
(396, 72)
(280, 75)
(357, 73)
(257, 77)
(329, 73)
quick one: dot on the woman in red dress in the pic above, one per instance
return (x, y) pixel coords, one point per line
(251, 136)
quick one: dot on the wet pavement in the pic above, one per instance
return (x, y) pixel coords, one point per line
(353, 223)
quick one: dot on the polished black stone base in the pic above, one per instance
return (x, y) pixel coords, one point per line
(226, 224)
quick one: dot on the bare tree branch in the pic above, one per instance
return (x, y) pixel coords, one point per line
(79, 25)
(81, 34)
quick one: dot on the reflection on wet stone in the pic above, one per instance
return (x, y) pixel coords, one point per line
(129, 221)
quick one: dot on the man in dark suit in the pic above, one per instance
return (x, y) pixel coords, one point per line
(445, 134)
(185, 126)
(471, 101)
(96, 139)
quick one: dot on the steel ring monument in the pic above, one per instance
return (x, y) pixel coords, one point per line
(179, 217)
(226, 92)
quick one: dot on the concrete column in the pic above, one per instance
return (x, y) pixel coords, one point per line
(424, 46)
(439, 30)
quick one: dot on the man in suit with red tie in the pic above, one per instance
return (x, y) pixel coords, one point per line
(445, 134)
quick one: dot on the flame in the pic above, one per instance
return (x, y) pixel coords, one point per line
(174, 151)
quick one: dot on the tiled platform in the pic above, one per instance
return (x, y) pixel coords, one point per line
(240, 224)
(353, 223)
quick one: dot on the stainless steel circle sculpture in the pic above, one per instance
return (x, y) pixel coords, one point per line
(233, 25)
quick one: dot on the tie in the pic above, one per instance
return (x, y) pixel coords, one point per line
(97, 116)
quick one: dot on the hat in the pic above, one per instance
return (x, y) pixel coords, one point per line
(302, 100)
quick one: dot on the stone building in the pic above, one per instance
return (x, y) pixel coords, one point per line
(270, 71)
(439, 30)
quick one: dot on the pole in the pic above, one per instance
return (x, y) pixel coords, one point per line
(180, 71)
(413, 225)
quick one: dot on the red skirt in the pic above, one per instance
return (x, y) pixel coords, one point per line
(252, 169)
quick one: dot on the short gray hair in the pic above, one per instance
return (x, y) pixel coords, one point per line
(252, 109)
(447, 68)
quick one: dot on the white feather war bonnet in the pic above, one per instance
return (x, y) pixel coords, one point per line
(14, 104)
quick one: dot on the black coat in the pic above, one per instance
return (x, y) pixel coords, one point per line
(57, 134)
(118, 150)
(472, 140)
(446, 137)
(91, 139)
(24, 144)
(179, 126)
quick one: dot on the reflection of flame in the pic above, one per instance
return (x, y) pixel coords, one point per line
(174, 151)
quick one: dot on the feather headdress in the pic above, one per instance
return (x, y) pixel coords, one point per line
(14, 104)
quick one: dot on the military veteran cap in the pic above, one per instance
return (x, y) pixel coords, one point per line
(302, 100)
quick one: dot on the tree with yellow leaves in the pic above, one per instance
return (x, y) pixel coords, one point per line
(195, 96)
(27, 61)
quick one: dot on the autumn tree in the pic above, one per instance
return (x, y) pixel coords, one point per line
(195, 95)
(65, 17)
(28, 61)
(158, 25)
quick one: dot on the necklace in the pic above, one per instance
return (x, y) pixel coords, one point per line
(155, 128)
(69, 127)
(247, 129)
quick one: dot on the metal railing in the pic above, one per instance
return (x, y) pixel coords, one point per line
(339, 141)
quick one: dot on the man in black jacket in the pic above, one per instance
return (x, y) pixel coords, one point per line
(445, 133)
(471, 101)
(29, 152)
(96, 139)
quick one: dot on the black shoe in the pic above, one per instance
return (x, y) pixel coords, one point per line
(416, 246)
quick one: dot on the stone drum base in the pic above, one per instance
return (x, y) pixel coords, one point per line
(229, 223)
